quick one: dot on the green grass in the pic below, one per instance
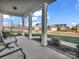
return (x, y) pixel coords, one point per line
(64, 38)
(15, 34)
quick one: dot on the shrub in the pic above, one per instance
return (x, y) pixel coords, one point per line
(56, 42)
(19, 34)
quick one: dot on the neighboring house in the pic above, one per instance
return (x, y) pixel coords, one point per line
(38, 27)
(50, 28)
(54, 28)
(61, 27)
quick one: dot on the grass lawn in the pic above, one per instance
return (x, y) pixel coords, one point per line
(64, 38)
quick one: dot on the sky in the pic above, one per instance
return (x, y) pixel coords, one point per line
(59, 12)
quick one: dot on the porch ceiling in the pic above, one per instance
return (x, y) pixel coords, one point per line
(20, 7)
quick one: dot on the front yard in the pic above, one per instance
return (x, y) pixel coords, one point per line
(64, 38)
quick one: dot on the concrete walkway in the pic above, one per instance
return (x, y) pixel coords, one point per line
(68, 44)
(34, 50)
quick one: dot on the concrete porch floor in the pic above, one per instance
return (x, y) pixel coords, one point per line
(34, 50)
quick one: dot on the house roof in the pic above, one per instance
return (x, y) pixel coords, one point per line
(21, 7)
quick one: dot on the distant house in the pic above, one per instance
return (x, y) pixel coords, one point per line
(61, 27)
(54, 28)
(38, 27)
(50, 28)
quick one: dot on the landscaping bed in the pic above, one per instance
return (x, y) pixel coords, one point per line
(64, 49)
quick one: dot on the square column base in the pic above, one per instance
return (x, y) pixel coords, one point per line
(30, 36)
(44, 40)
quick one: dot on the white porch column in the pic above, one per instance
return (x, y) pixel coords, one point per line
(23, 33)
(44, 24)
(1, 22)
(30, 25)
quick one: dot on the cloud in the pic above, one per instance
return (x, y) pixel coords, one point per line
(73, 23)
(34, 18)
(38, 13)
(6, 16)
(48, 17)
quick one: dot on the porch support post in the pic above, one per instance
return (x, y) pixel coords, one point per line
(23, 33)
(30, 25)
(44, 24)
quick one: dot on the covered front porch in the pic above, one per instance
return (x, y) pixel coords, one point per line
(31, 48)
(34, 50)
(26, 8)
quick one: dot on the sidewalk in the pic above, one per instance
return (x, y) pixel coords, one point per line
(68, 44)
